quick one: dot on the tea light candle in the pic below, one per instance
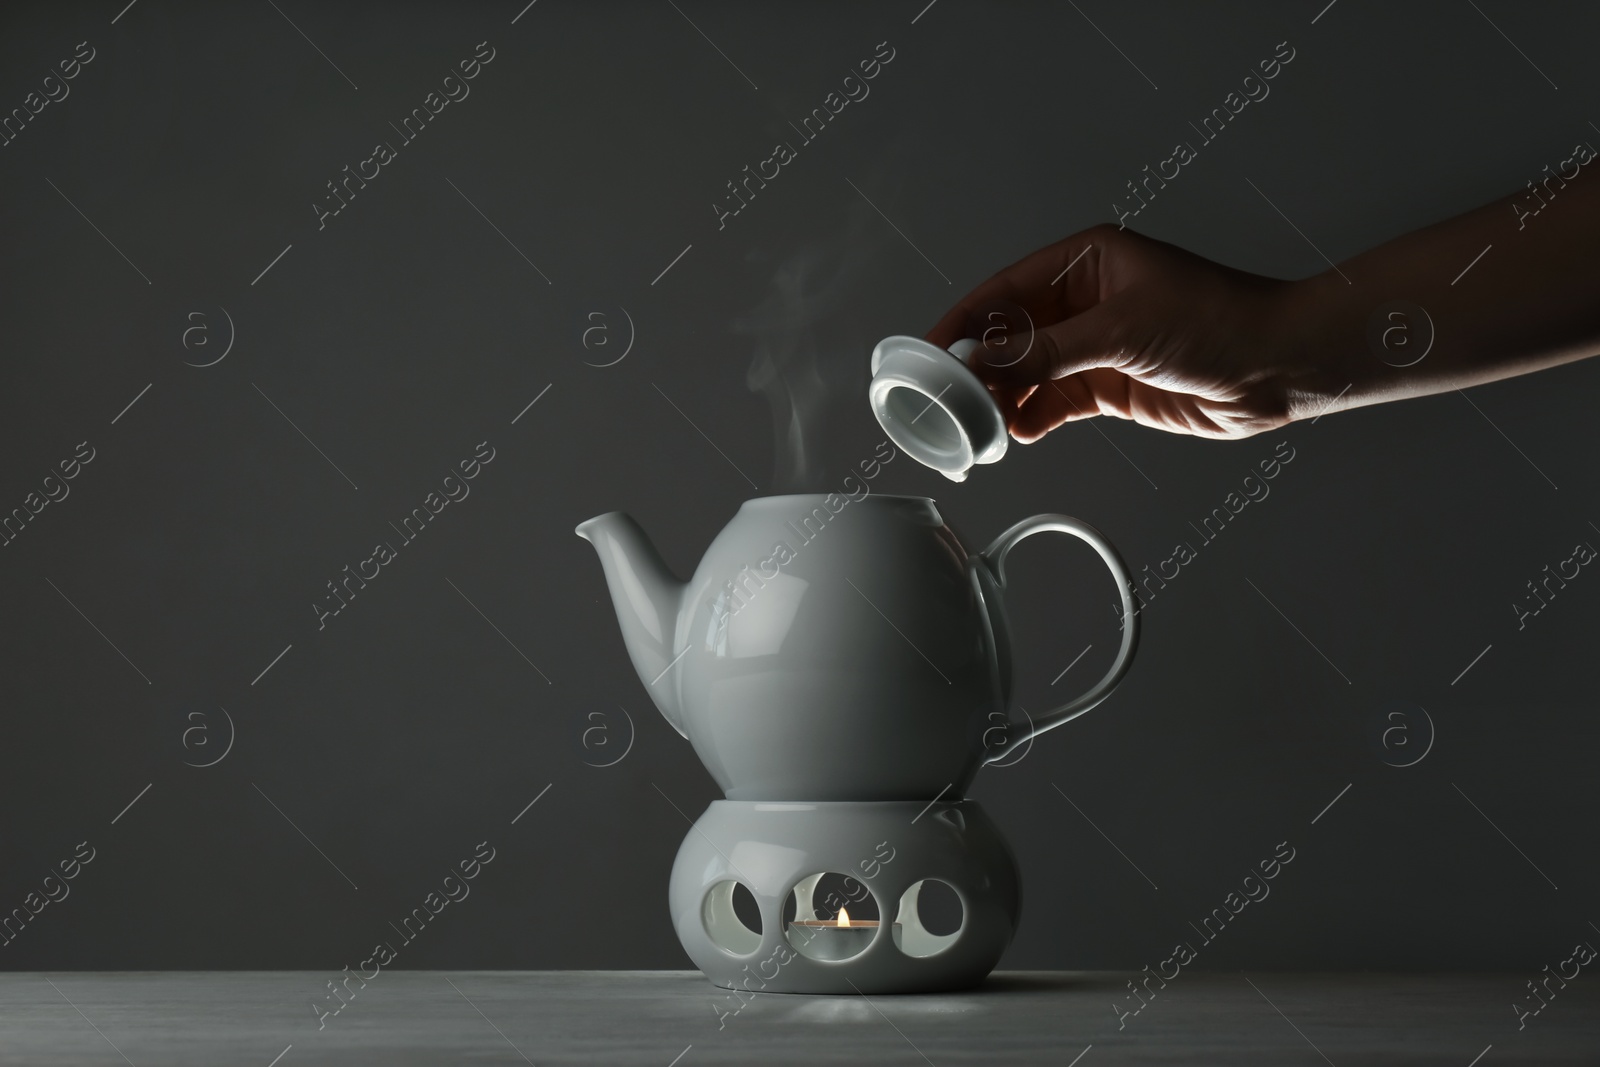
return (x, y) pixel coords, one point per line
(832, 940)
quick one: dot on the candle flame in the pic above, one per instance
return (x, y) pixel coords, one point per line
(844, 917)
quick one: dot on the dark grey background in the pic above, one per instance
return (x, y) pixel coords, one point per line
(408, 331)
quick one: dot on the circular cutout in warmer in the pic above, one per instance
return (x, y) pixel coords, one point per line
(831, 917)
(931, 917)
(732, 918)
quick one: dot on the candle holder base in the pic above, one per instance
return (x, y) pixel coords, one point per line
(889, 859)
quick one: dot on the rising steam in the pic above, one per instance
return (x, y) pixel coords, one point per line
(808, 356)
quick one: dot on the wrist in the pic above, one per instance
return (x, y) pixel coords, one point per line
(1315, 348)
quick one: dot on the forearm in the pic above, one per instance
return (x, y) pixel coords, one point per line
(1532, 301)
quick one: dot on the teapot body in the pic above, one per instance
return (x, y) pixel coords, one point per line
(840, 648)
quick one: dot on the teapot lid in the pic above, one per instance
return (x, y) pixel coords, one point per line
(933, 407)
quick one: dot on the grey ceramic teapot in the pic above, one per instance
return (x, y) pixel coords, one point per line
(837, 647)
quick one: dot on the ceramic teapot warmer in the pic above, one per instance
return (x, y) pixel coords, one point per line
(842, 667)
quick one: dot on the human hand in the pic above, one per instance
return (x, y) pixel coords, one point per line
(1137, 329)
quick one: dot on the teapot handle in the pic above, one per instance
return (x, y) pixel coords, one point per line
(995, 557)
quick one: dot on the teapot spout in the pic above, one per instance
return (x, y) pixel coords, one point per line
(646, 596)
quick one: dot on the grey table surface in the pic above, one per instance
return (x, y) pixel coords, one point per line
(662, 1018)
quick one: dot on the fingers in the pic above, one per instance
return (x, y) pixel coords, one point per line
(1050, 406)
(1089, 340)
(1063, 400)
(1040, 284)
(1110, 392)
(1010, 402)
(953, 327)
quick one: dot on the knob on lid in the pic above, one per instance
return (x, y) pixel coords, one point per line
(933, 407)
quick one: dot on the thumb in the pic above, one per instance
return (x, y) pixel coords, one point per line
(1078, 343)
